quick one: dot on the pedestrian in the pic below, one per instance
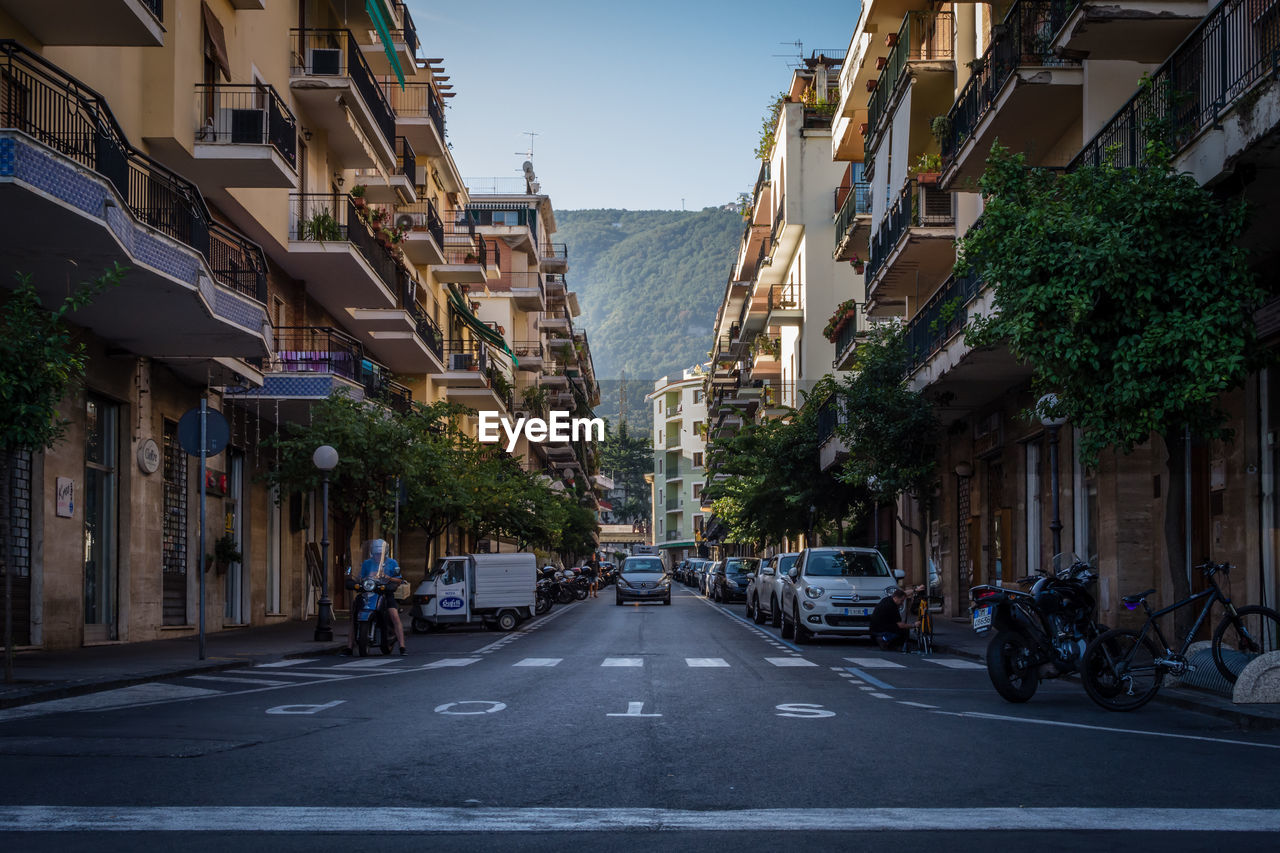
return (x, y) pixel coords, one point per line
(592, 571)
(887, 624)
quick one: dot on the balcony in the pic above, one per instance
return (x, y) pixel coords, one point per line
(137, 23)
(553, 321)
(335, 252)
(404, 43)
(524, 288)
(333, 83)
(673, 506)
(854, 332)
(405, 337)
(556, 287)
(921, 55)
(424, 232)
(467, 257)
(914, 246)
(555, 258)
(553, 372)
(853, 221)
(76, 197)
(399, 186)
(529, 355)
(242, 136)
(465, 365)
(1130, 30)
(1020, 92)
(831, 448)
(419, 116)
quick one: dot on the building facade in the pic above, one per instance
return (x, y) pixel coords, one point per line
(679, 464)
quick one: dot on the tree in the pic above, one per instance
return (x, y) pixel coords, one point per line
(39, 363)
(1125, 291)
(433, 488)
(627, 458)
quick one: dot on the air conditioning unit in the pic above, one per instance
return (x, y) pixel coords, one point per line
(248, 127)
(411, 221)
(324, 61)
(460, 361)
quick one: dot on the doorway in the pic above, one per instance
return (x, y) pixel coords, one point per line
(234, 611)
(101, 519)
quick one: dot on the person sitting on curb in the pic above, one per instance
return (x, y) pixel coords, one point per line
(887, 626)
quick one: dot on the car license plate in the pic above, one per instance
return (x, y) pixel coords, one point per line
(857, 611)
(982, 618)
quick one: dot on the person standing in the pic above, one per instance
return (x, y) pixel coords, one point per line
(593, 576)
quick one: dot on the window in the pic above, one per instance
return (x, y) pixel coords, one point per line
(697, 491)
(697, 396)
(697, 460)
(659, 407)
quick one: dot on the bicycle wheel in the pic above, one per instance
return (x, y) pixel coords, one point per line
(1240, 638)
(1119, 670)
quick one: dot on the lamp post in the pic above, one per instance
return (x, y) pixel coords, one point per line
(1047, 406)
(813, 510)
(326, 459)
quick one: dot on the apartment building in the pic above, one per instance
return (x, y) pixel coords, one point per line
(277, 179)
(679, 465)
(926, 89)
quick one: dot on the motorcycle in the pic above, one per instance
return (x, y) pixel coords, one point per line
(1041, 633)
(372, 608)
(544, 595)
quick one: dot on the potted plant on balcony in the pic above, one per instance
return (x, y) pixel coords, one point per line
(940, 127)
(845, 313)
(859, 265)
(928, 169)
(357, 196)
(321, 227)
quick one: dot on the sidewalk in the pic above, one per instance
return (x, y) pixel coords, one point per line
(40, 675)
(956, 637)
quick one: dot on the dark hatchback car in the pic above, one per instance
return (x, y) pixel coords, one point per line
(731, 578)
(643, 579)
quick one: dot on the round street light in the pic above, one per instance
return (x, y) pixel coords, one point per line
(326, 459)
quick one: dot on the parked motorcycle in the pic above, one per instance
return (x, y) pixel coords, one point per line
(1041, 633)
(544, 595)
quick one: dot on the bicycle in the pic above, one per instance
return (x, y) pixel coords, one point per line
(923, 632)
(1123, 669)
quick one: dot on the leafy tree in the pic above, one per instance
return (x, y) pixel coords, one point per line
(627, 458)
(39, 362)
(1125, 291)
(434, 492)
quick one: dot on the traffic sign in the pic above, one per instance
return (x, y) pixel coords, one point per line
(216, 432)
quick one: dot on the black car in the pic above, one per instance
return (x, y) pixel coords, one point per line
(643, 578)
(730, 580)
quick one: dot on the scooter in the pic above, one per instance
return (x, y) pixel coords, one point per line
(372, 620)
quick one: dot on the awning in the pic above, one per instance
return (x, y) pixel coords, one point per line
(682, 544)
(217, 39)
(384, 35)
(482, 331)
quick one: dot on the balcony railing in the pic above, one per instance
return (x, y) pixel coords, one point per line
(463, 244)
(1235, 47)
(417, 100)
(916, 206)
(923, 36)
(528, 349)
(407, 30)
(784, 297)
(336, 53)
(334, 218)
(556, 250)
(496, 186)
(379, 386)
(1025, 38)
(406, 162)
(466, 355)
(316, 349)
(945, 314)
(672, 505)
(827, 419)
(62, 113)
(246, 115)
(857, 202)
(422, 216)
(155, 7)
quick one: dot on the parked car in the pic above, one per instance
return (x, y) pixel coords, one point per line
(643, 578)
(729, 583)
(833, 591)
(681, 568)
(691, 572)
(764, 592)
(704, 577)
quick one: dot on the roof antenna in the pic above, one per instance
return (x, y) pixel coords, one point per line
(528, 155)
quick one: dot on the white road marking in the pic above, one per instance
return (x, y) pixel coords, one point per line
(633, 710)
(476, 819)
(447, 708)
(623, 662)
(880, 695)
(261, 682)
(790, 662)
(365, 663)
(706, 662)
(318, 674)
(280, 664)
(875, 663)
(978, 715)
(803, 711)
(305, 709)
(107, 700)
(951, 663)
(444, 662)
(538, 662)
(866, 688)
(917, 704)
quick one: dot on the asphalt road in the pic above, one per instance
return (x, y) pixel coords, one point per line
(674, 728)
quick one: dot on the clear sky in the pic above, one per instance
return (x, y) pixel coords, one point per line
(641, 104)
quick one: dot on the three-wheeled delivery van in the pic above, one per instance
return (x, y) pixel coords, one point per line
(496, 589)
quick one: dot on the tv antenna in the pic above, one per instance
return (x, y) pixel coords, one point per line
(528, 155)
(798, 59)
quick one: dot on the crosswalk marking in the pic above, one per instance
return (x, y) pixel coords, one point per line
(261, 682)
(137, 694)
(539, 662)
(365, 663)
(706, 661)
(875, 663)
(790, 662)
(623, 662)
(439, 664)
(950, 663)
(280, 664)
(321, 674)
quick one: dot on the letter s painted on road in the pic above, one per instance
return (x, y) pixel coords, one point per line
(804, 711)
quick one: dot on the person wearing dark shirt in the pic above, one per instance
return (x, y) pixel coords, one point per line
(887, 627)
(592, 571)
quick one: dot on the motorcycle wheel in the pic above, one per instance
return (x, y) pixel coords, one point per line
(564, 595)
(581, 593)
(362, 639)
(1012, 678)
(541, 604)
(385, 639)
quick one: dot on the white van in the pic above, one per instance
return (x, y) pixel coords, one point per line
(494, 589)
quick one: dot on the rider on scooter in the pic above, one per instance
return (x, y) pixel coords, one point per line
(378, 564)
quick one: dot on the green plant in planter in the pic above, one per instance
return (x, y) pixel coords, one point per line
(535, 399)
(224, 554)
(358, 191)
(940, 127)
(927, 163)
(322, 226)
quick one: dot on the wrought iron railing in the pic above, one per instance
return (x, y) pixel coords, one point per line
(827, 419)
(326, 218)
(857, 202)
(59, 111)
(1235, 48)
(850, 333)
(941, 317)
(784, 297)
(380, 387)
(528, 349)
(248, 114)
(336, 53)
(422, 216)
(559, 251)
(1025, 38)
(916, 205)
(407, 30)
(316, 349)
(406, 162)
(427, 329)
(466, 355)
(923, 36)
(416, 100)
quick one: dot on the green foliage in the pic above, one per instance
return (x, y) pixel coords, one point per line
(321, 226)
(1124, 289)
(626, 458)
(891, 431)
(40, 360)
(769, 127)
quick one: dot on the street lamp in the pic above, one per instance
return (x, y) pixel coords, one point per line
(326, 459)
(812, 512)
(1047, 406)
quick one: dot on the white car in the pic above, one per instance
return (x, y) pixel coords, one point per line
(833, 591)
(764, 592)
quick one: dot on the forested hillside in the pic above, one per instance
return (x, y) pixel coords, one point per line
(649, 283)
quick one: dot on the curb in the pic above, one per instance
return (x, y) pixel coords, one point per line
(83, 688)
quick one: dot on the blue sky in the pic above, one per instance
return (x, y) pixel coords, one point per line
(637, 105)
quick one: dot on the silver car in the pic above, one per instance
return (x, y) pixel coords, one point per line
(834, 590)
(764, 593)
